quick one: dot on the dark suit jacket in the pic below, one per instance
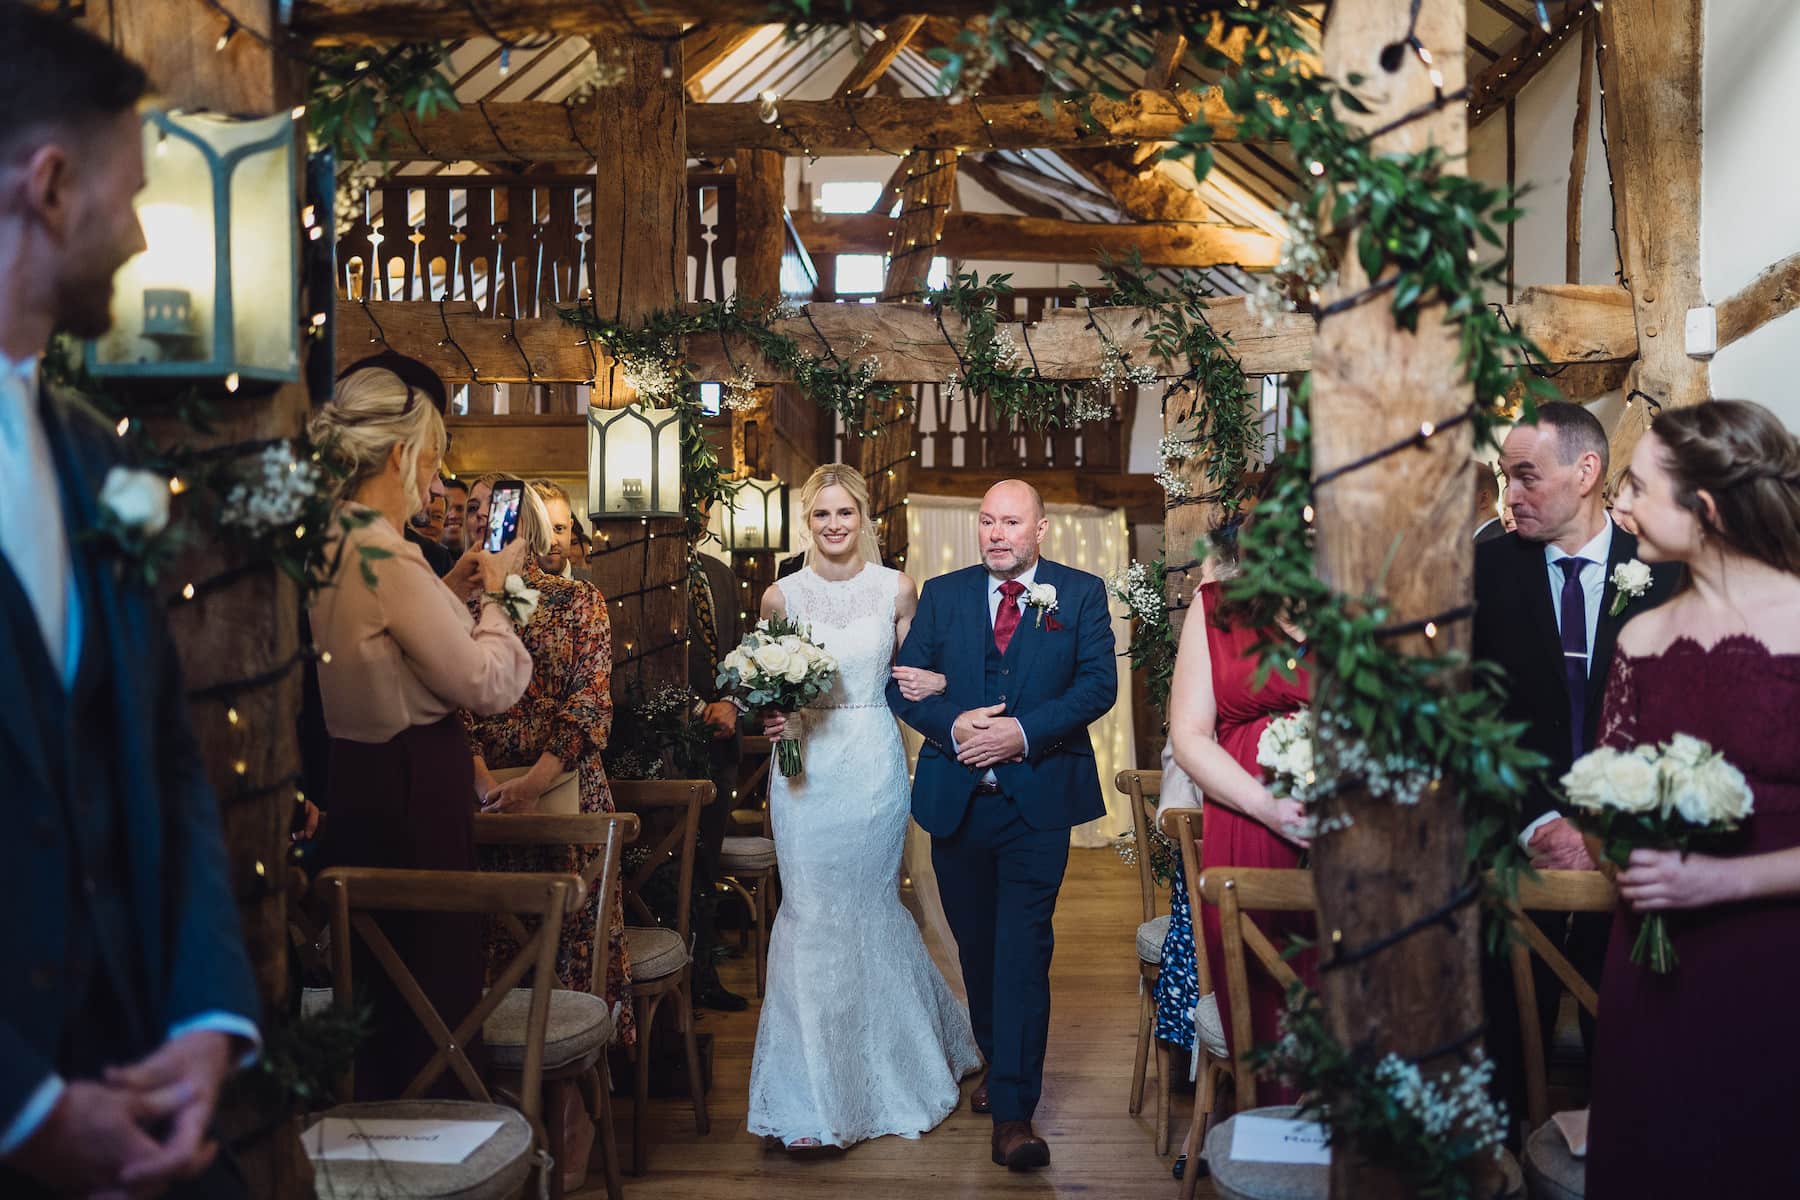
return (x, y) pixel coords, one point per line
(183, 946)
(1067, 678)
(1515, 628)
(440, 559)
(729, 599)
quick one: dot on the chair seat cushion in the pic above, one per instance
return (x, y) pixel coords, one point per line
(654, 952)
(1552, 1172)
(1234, 1180)
(747, 854)
(579, 1025)
(1150, 937)
(496, 1168)
(1210, 1027)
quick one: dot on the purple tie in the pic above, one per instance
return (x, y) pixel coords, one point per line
(1574, 648)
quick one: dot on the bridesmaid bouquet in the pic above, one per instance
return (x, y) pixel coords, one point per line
(1656, 797)
(778, 666)
(1285, 750)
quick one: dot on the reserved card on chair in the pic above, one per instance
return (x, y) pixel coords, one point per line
(1275, 1140)
(395, 1140)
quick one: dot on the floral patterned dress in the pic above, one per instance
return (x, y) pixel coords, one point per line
(566, 710)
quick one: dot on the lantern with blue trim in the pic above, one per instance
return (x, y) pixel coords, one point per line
(634, 462)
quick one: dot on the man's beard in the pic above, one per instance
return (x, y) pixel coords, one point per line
(84, 307)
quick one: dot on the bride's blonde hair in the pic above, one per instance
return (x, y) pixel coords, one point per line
(851, 480)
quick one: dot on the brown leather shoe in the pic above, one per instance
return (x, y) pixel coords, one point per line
(1019, 1148)
(978, 1099)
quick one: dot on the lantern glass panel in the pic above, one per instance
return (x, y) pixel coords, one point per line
(215, 291)
(634, 462)
(757, 516)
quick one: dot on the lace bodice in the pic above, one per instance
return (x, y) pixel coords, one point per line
(854, 619)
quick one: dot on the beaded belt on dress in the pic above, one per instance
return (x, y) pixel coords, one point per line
(831, 706)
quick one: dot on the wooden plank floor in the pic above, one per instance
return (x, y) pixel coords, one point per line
(1096, 1148)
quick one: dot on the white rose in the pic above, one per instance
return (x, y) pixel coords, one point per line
(796, 669)
(525, 599)
(1687, 751)
(771, 657)
(1586, 781)
(1041, 595)
(736, 661)
(1632, 577)
(1632, 784)
(792, 644)
(138, 500)
(1714, 793)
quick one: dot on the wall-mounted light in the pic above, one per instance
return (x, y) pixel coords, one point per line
(755, 516)
(215, 293)
(634, 462)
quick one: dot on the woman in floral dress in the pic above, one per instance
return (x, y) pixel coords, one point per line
(560, 724)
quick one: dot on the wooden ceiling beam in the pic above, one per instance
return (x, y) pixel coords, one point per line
(1005, 188)
(1520, 64)
(1570, 324)
(535, 131)
(704, 47)
(890, 39)
(1181, 244)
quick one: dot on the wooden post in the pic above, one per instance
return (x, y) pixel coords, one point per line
(1650, 85)
(253, 625)
(639, 135)
(1373, 384)
(761, 223)
(1578, 154)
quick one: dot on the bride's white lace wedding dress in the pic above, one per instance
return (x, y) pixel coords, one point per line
(860, 1036)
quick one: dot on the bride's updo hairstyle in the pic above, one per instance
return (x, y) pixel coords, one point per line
(379, 403)
(1740, 455)
(851, 480)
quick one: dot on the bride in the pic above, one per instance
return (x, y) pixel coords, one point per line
(860, 1036)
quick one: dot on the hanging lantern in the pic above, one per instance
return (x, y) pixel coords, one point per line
(215, 293)
(756, 517)
(634, 462)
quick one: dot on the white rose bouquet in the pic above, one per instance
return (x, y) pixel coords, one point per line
(1661, 797)
(1285, 749)
(778, 666)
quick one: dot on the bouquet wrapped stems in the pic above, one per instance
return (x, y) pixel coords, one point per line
(787, 748)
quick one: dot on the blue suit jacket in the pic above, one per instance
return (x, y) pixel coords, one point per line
(187, 945)
(1067, 678)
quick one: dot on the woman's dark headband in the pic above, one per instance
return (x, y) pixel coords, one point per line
(417, 377)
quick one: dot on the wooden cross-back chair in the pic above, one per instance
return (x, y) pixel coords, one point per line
(1141, 789)
(1214, 1066)
(503, 1164)
(1558, 892)
(1238, 892)
(747, 863)
(662, 964)
(580, 1026)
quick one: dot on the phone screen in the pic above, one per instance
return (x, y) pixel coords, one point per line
(503, 514)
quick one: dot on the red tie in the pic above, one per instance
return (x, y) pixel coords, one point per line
(1007, 619)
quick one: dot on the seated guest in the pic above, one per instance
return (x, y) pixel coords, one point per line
(1216, 717)
(456, 500)
(1715, 488)
(426, 530)
(559, 725)
(128, 997)
(556, 560)
(405, 658)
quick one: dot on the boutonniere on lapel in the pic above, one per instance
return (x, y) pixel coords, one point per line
(1042, 596)
(1630, 581)
(134, 521)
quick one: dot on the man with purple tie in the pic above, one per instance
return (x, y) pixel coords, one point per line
(1544, 613)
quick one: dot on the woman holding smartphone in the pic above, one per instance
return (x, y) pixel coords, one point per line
(401, 657)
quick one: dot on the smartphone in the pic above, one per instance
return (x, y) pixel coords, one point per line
(503, 514)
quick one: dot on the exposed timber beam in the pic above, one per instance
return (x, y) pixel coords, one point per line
(1520, 64)
(1003, 186)
(1038, 239)
(527, 131)
(1165, 59)
(890, 39)
(1578, 156)
(705, 47)
(1774, 293)
(1569, 324)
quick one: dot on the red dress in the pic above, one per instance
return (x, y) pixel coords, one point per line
(1694, 1072)
(1230, 839)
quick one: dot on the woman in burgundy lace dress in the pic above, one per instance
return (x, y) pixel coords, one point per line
(1697, 1073)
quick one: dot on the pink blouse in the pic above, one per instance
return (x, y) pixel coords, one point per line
(406, 651)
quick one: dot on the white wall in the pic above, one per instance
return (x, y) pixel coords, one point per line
(1750, 185)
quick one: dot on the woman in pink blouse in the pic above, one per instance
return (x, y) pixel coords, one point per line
(405, 656)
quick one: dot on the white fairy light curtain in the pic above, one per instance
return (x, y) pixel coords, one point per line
(942, 536)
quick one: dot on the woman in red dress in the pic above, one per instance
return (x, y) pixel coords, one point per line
(1216, 718)
(1694, 1072)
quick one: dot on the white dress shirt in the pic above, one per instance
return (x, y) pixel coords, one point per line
(1593, 591)
(34, 540)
